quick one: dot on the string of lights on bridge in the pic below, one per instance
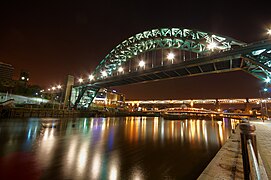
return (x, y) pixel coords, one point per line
(141, 64)
(170, 57)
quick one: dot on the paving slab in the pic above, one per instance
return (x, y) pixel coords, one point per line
(263, 137)
(228, 163)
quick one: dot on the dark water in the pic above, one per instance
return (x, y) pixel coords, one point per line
(109, 148)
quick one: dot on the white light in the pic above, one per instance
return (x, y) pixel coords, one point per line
(170, 56)
(80, 80)
(58, 86)
(267, 80)
(258, 52)
(141, 63)
(269, 32)
(120, 69)
(91, 77)
(212, 46)
(23, 78)
(53, 88)
(104, 73)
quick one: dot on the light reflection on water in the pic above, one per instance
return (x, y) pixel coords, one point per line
(111, 148)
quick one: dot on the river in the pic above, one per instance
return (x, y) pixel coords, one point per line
(109, 148)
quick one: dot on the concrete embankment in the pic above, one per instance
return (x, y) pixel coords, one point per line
(35, 112)
(57, 113)
(228, 163)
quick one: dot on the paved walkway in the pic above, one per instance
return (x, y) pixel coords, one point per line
(263, 137)
(228, 163)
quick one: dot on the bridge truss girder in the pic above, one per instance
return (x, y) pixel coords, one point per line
(252, 58)
(258, 63)
(165, 38)
(89, 91)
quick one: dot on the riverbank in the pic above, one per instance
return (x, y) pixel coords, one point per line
(228, 163)
(38, 112)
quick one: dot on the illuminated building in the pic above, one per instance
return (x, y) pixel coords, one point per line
(6, 71)
(109, 98)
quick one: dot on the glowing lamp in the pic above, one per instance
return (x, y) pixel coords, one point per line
(141, 63)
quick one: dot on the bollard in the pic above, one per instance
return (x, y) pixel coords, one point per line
(247, 132)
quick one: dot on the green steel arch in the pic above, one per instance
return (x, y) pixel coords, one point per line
(174, 38)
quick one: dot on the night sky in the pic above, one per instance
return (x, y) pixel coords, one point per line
(52, 39)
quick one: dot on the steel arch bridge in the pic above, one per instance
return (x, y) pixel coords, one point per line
(172, 53)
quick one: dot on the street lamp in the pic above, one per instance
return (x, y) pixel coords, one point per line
(120, 70)
(91, 77)
(104, 73)
(141, 64)
(52, 95)
(59, 87)
(212, 46)
(171, 56)
(264, 100)
(80, 80)
(267, 80)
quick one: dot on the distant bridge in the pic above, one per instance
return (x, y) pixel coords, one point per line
(177, 112)
(200, 101)
(173, 53)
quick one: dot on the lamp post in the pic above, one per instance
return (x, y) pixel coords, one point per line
(59, 87)
(53, 98)
(263, 99)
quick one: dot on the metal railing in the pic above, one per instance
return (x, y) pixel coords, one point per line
(249, 151)
(253, 162)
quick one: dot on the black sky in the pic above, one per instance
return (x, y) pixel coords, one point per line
(52, 39)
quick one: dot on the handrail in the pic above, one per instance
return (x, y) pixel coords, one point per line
(253, 163)
(249, 151)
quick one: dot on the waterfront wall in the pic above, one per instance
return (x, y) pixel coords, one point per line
(39, 112)
(22, 99)
(31, 112)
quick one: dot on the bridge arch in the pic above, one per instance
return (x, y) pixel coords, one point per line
(164, 38)
(254, 58)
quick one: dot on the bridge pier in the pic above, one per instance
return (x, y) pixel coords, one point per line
(247, 106)
(217, 104)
